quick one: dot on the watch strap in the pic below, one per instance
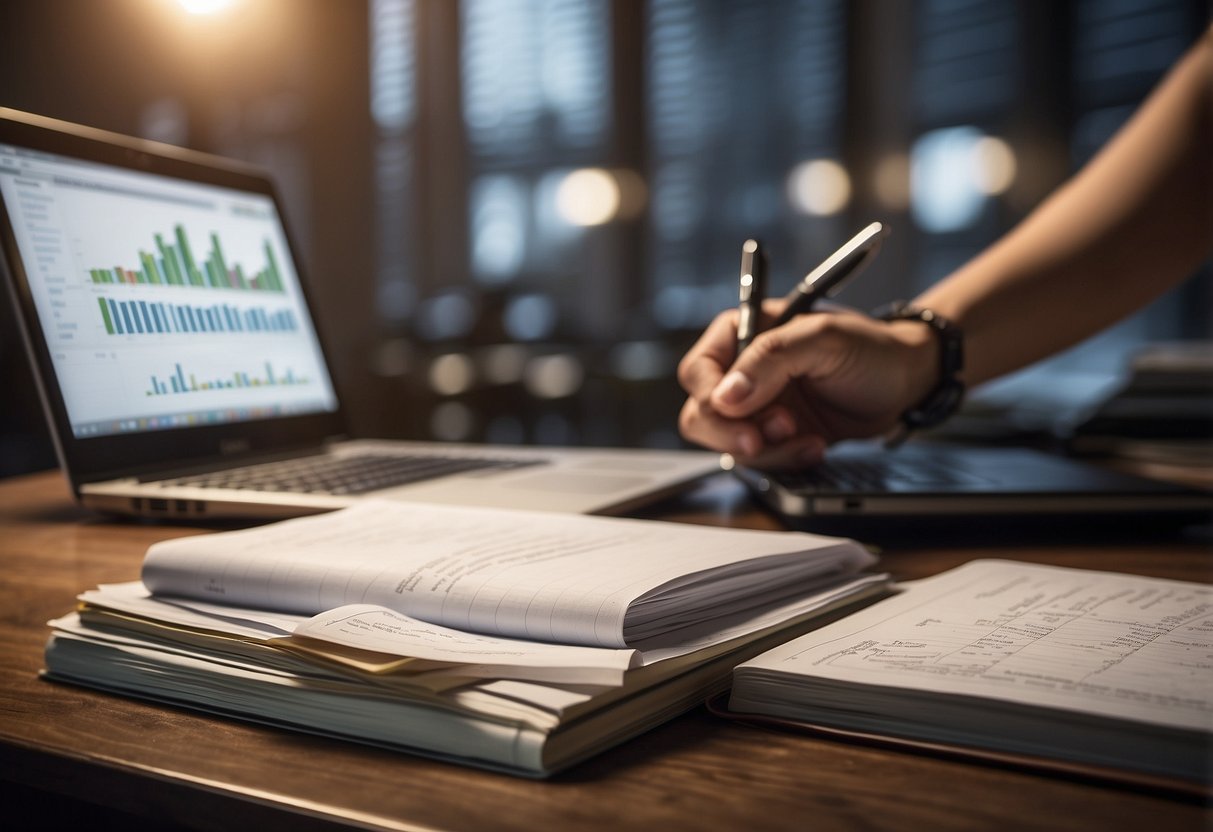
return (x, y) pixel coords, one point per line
(946, 396)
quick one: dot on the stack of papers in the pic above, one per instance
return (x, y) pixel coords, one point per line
(512, 640)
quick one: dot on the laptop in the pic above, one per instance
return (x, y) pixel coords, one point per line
(178, 358)
(923, 479)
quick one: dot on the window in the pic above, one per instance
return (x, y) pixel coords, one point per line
(563, 185)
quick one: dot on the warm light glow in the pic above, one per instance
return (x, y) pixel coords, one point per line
(452, 374)
(819, 187)
(994, 165)
(205, 6)
(554, 376)
(590, 196)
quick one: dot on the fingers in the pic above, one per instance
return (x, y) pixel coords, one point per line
(817, 379)
(705, 363)
(810, 346)
(702, 425)
(771, 439)
(745, 407)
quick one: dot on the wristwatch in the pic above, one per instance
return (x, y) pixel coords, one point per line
(945, 398)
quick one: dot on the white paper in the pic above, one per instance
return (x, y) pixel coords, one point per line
(762, 618)
(1114, 645)
(134, 598)
(531, 575)
(469, 656)
(369, 627)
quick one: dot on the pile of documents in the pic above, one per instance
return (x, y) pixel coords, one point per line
(521, 641)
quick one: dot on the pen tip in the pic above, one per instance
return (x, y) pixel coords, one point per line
(749, 246)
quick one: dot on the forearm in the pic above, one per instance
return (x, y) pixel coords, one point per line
(1136, 221)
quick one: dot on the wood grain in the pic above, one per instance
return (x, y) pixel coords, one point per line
(78, 755)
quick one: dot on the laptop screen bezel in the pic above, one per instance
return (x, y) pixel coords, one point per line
(130, 454)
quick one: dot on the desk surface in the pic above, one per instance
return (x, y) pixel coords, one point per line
(66, 749)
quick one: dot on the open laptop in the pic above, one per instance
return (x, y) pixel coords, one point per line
(179, 363)
(866, 480)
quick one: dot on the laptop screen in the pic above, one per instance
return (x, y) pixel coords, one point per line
(165, 303)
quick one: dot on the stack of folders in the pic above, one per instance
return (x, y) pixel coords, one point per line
(520, 641)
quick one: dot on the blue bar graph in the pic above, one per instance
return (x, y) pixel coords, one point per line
(138, 317)
(182, 382)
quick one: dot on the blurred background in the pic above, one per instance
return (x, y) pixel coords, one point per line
(515, 215)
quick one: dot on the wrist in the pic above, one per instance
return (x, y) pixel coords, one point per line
(934, 389)
(920, 362)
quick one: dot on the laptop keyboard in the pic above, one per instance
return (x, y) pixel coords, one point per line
(354, 474)
(873, 475)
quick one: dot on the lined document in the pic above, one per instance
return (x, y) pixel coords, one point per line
(1113, 645)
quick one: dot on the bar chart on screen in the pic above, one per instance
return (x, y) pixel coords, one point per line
(173, 264)
(140, 317)
(181, 381)
(165, 302)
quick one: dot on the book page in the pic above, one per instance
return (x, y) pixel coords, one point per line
(378, 629)
(134, 598)
(533, 575)
(367, 639)
(1115, 645)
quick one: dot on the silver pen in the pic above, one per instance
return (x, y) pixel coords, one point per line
(751, 290)
(825, 280)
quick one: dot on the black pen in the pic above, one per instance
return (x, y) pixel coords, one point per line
(825, 280)
(752, 289)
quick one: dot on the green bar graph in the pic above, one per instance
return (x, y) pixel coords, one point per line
(217, 258)
(151, 272)
(172, 263)
(168, 257)
(271, 270)
(105, 314)
(183, 247)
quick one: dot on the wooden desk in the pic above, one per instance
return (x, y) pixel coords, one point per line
(74, 755)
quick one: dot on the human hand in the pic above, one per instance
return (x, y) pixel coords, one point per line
(821, 377)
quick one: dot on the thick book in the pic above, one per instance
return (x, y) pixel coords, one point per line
(568, 579)
(1090, 669)
(512, 640)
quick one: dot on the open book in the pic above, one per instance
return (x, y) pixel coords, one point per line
(1092, 668)
(512, 640)
(569, 579)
